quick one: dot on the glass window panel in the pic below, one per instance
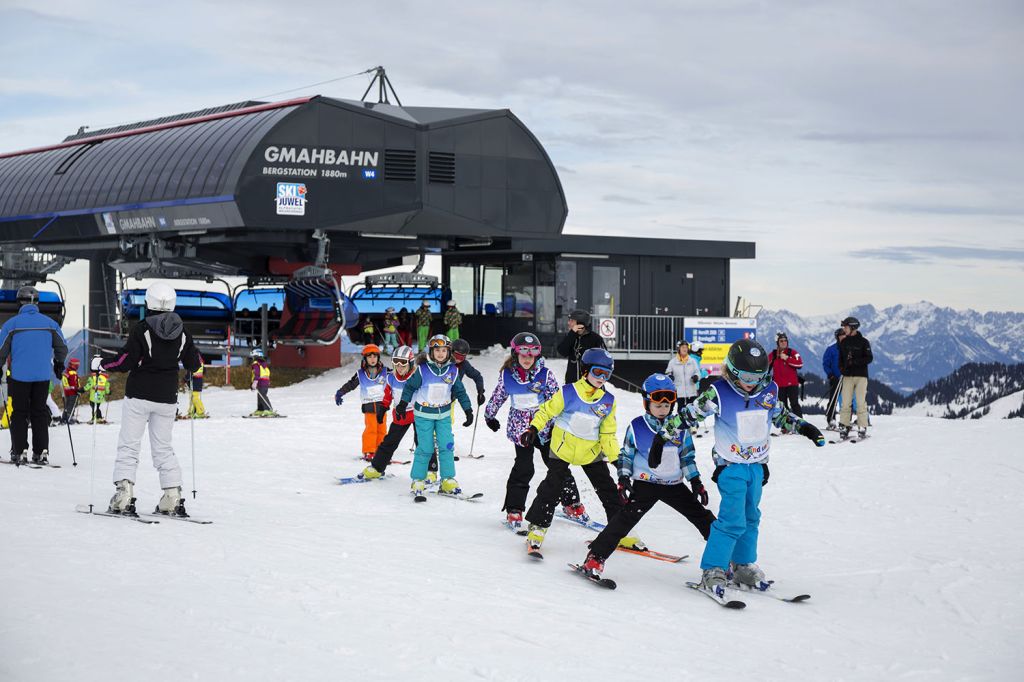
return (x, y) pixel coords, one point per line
(461, 283)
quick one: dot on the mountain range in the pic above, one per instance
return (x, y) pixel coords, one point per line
(912, 343)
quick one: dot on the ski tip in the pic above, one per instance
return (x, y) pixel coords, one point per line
(419, 498)
(534, 554)
(733, 604)
(798, 598)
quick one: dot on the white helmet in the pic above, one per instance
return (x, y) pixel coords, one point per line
(696, 346)
(160, 297)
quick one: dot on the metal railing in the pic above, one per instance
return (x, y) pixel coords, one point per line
(645, 333)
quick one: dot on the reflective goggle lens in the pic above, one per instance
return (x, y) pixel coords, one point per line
(528, 350)
(601, 372)
(399, 361)
(747, 377)
(437, 343)
(460, 357)
(662, 397)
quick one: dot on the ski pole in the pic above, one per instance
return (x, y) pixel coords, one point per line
(192, 431)
(74, 462)
(472, 442)
(92, 474)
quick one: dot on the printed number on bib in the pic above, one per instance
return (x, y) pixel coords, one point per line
(525, 401)
(437, 394)
(584, 425)
(751, 426)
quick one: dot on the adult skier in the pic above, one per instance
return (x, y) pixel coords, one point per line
(524, 380)
(151, 355)
(785, 364)
(576, 342)
(854, 357)
(371, 379)
(652, 470)
(685, 373)
(423, 319)
(830, 364)
(452, 321)
(745, 405)
(430, 390)
(36, 348)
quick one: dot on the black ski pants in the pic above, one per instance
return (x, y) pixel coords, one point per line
(28, 403)
(640, 502)
(387, 447)
(262, 401)
(542, 511)
(518, 486)
(789, 396)
(833, 399)
(69, 407)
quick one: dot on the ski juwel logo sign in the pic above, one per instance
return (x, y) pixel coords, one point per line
(291, 198)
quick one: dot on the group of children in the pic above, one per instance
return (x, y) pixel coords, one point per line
(575, 425)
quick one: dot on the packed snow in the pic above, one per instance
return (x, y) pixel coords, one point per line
(909, 544)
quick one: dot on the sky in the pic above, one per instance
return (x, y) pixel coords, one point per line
(874, 151)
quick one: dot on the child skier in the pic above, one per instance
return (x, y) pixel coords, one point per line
(430, 389)
(98, 388)
(460, 349)
(745, 404)
(404, 362)
(196, 409)
(261, 383)
(525, 381)
(584, 427)
(371, 378)
(71, 384)
(390, 326)
(651, 470)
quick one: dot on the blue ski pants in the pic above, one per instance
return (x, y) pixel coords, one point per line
(734, 533)
(427, 427)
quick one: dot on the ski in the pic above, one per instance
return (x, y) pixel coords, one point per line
(767, 588)
(533, 553)
(720, 596)
(419, 498)
(84, 509)
(29, 465)
(475, 456)
(602, 582)
(461, 496)
(359, 479)
(591, 524)
(360, 458)
(651, 554)
(189, 519)
(265, 416)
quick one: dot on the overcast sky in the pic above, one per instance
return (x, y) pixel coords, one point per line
(874, 151)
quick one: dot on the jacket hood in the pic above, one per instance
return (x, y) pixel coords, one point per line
(166, 326)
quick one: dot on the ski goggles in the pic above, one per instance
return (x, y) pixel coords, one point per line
(438, 343)
(459, 357)
(752, 378)
(399, 361)
(601, 372)
(532, 351)
(662, 397)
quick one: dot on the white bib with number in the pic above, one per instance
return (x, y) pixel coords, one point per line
(751, 426)
(525, 401)
(438, 394)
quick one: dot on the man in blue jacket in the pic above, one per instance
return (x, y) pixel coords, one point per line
(830, 363)
(36, 348)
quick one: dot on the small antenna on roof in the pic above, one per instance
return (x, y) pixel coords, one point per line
(383, 85)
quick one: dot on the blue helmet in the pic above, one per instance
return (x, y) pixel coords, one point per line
(658, 388)
(597, 357)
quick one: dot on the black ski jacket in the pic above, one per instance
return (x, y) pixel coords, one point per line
(572, 347)
(855, 356)
(151, 355)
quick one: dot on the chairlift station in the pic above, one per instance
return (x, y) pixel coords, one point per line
(302, 191)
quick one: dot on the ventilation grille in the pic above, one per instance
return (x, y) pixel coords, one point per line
(400, 164)
(442, 167)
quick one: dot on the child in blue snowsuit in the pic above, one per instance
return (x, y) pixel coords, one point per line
(745, 404)
(431, 389)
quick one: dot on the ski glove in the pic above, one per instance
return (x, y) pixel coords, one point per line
(764, 482)
(493, 424)
(718, 470)
(699, 491)
(811, 433)
(656, 451)
(381, 411)
(529, 437)
(469, 418)
(694, 379)
(339, 396)
(625, 488)
(400, 409)
(481, 398)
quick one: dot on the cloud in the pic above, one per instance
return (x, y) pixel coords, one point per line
(877, 137)
(926, 254)
(620, 199)
(940, 209)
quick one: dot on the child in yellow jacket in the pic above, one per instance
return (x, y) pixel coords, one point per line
(584, 416)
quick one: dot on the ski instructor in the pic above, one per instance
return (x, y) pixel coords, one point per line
(151, 355)
(37, 351)
(579, 339)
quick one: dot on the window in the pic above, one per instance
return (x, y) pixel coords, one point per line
(460, 278)
(606, 290)
(545, 298)
(518, 291)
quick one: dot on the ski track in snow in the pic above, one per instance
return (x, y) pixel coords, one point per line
(909, 544)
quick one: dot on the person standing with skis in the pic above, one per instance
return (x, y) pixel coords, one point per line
(371, 379)
(854, 357)
(260, 383)
(685, 373)
(452, 321)
(830, 364)
(71, 385)
(151, 355)
(423, 319)
(404, 362)
(785, 364)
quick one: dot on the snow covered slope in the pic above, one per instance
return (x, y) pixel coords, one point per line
(909, 543)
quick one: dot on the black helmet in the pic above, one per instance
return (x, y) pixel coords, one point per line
(839, 332)
(851, 322)
(747, 361)
(781, 336)
(525, 342)
(581, 316)
(28, 294)
(460, 346)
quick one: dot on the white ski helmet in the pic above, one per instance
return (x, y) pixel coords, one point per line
(160, 297)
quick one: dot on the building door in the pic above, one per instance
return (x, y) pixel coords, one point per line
(606, 281)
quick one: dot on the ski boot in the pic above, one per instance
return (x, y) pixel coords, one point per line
(19, 459)
(171, 504)
(577, 512)
(634, 543)
(123, 501)
(418, 488)
(514, 520)
(593, 566)
(535, 538)
(746, 574)
(714, 580)
(41, 458)
(431, 478)
(844, 432)
(862, 433)
(370, 474)
(450, 486)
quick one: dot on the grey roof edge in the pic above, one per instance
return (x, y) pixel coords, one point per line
(620, 246)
